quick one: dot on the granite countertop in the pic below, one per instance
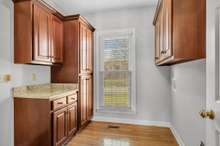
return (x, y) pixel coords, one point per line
(45, 91)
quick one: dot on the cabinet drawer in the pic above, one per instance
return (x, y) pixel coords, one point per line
(59, 103)
(72, 98)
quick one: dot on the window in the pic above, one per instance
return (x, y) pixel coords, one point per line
(115, 73)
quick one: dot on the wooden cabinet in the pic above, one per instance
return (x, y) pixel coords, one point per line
(42, 36)
(47, 123)
(60, 126)
(86, 100)
(83, 101)
(72, 119)
(57, 41)
(38, 33)
(64, 119)
(89, 86)
(179, 31)
(78, 64)
(86, 49)
(83, 48)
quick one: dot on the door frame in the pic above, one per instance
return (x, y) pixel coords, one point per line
(212, 70)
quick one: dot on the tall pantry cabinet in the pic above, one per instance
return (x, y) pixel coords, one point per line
(78, 64)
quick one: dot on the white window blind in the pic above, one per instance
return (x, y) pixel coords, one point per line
(116, 72)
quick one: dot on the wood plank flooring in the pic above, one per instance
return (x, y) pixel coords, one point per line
(99, 134)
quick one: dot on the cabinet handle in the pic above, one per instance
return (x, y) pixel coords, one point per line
(163, 52)
(73, 98)
(59, 102)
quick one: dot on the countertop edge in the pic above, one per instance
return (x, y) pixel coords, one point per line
(50, 98)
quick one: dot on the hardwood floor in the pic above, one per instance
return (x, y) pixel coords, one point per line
(99, 134)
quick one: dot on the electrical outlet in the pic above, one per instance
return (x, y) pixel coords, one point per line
(5, 78)
(34, 77)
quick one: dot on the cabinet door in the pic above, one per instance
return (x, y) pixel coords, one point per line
(162, 42)
(42, 34)
(89, 50)
(167, 26)
(157, 41)
(57, 40)
(83, 48)
(60, 127)
(72, 118)
(83, 100)
(89, 83)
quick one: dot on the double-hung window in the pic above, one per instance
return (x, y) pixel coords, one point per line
(115, 74)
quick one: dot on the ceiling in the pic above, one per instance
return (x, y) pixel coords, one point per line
(69, 7)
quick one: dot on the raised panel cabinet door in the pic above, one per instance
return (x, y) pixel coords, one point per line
(83, 100)
(89, 84)
(83, 48)
(59, 127)
(161, 34)
(72, 118)
(57, 40)
(42, 34)
(157, 41)
(167, 23)
(89, 51)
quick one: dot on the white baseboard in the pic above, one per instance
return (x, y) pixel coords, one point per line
(177, 136)
(134, 122)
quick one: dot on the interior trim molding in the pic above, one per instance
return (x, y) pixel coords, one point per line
(133, 122)
(177, 136)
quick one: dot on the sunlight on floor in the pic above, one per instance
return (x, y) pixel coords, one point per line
(114, 142)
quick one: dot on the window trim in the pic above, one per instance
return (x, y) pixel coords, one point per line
(132, 68)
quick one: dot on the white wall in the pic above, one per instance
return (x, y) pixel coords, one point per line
(152, 83)
(21, 74)
(188, 99)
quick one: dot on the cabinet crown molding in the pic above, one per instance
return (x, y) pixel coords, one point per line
(55, 12)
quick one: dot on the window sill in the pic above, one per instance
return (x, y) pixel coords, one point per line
(109, 111)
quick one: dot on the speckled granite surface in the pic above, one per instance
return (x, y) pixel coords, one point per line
(45, 91)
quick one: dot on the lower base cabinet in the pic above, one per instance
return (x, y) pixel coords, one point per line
(72, 119)
(60, 127)
(64, 124)
(45, 122)
(86, 101)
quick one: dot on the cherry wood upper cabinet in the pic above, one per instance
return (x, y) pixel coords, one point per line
(86, 49)
(78, 51)
(57, 41)
(179, 31)
(42, 34)
(38, 34)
